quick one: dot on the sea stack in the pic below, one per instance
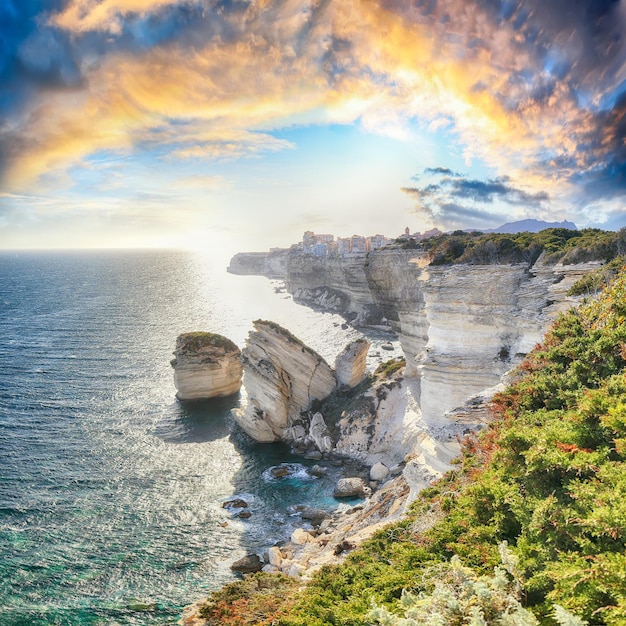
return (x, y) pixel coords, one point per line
(282, 377)
(206, 365)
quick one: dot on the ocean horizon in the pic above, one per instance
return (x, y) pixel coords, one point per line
(111, 489)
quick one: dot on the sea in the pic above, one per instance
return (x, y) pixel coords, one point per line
(112, 490)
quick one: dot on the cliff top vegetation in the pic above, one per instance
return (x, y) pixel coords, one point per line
(195, 341)
(556, 244)
(547, 476)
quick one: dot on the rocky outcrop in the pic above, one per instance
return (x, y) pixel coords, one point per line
(272, 264)
(206, 365)
(336, 284)
(462, 327)
(351, 363)
(282, 378)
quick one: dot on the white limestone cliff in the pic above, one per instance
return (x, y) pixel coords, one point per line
(282, 378)
(462, 327)
(272, 264)
(206, 365)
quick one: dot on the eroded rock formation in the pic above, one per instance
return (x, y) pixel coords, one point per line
(460, 326)
(282, 378)
(206, 365)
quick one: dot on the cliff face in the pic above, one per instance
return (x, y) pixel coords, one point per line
(460, 326)
(206, 365)
(334, 284)
(272, 264)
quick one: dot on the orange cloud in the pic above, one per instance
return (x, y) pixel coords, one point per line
(86, 15)
(301, 61)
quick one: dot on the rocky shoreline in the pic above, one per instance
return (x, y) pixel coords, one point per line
(461, 329)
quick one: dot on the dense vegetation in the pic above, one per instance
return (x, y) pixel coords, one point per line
(547, 478)
(558, 244)
(195, 341)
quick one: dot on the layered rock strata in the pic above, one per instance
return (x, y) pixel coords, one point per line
(336, 284)
(206, 365)
(460, 326)
(282, 378)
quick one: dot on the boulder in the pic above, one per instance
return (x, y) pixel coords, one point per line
(351, 363)
(351, 488)
(280, 471)
(275, 556)
(379, 472)
(315, 516)
(295, 571)
(270, 569)
(318, 471)
(235, 503)
(248, 564)
(206, 365)
(318, 431)
(300, 536)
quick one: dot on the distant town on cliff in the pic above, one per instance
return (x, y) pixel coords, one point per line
(326, 245)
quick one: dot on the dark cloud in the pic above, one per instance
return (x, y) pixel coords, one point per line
(482, 191)
(459, 202)
(444, 171)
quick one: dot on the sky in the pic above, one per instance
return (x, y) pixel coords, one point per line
(233, 125)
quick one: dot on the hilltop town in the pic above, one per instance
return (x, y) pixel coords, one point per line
(328, 246)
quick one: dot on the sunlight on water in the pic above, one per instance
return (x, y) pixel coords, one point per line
(111, 490)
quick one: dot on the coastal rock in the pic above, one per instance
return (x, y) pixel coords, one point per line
(300, 536)
(339, 284)
(248, 564)
(275, 556)
(318, 431)
(318, 471)
(272, 264)
(282, 378)
(351, 488)
(350, 364)
(235, 503)
(382, 424)
(315, 516)
(460, 326)
(379, 472)
(206, 365)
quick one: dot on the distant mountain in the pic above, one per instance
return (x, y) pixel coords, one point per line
(532, 226)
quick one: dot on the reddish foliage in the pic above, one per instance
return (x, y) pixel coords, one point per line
(571, 447)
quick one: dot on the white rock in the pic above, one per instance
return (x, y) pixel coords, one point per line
(295, 571)
(270, 569)
(275, 556)
(206, 365)
(350, 364)
(388, 430)
(300, 536)
(318, 431)
(379, 472)
(351, 487)
(282, 378)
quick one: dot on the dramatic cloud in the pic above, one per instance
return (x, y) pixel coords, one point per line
(452, 200)
(533, 89)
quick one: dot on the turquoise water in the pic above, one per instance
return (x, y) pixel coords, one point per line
(111, 490)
